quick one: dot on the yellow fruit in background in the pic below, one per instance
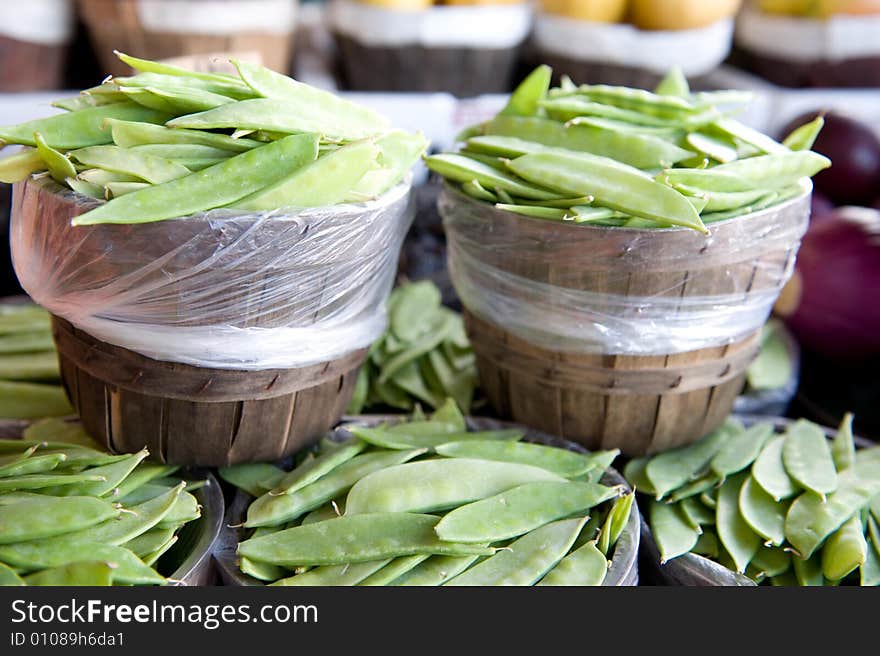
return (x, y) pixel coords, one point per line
(680, 14)
(600, 11)
(481, 2)
(786, 7)
(828, 8)
(402, 5)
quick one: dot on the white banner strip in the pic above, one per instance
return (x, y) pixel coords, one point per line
(217, 17)
(49, 22)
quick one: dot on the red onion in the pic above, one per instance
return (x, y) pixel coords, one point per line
(832, 303)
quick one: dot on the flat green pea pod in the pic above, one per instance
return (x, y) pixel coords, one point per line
(185, 509)
(741, 449)
(128, 134)
(672, 532)
(803, 137)
(707, 545)
(84, 573)
(546, 213)
(696, 512)
(711, 146)
(566, 109)
(60, 168)
(808, 572)
(665, 106)
(148, 66)
(810, 520)
(526, 98)
(151, 168)
(617, 519)
(613, 184)
(398, 151)
(869, 572)
(31, 465)
(562, 462)
(807, 458)
(750, 136)
(411, 308)
(149, 541)
(314, 469)
(143, 474)
(38, 518)
(389, 439)
(843, 447)
(475, 190)
(776, 171)
(262, 571)
(434, 571)
(111, 476)
(9, 577)
(431, 485)
(671, 469)
(355, 539)
(845, 550)
(586, 566)
(210, 188)
(527, 559)
(175, 100)
(30, 367)
(771, 561)
(325, 181)
(335, 575)
(634, 473)
(79, 129)
(50, 481)
(394, 570)
(254, 478)
(762, 513)
(339, 118)
(182, 152)
(463, 169)
(674, 83)
(450, 413)
(127, 568)
(32, 400)
(519, 510)
(322, 513)
(720, 201)
(19, 166)
(270, 510)
(769, 471)
(230, 87)
(738, 538)
(710, 180)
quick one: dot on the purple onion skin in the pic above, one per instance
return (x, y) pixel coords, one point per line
(838, 274)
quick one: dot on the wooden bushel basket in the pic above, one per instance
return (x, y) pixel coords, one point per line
(118, 25)
(637, 403)
(186, 414)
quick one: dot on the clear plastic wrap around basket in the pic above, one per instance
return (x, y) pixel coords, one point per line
(223, 290)
(590, 289)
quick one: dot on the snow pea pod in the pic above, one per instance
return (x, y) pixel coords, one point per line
(546, 213)
(672, 533)
(845, 550)
(43, 481)
(84, 573)
(37, 518)
(148, 167)
(711, 146)
(637, 100)
(8, 577)
(750, 136)
(463, 169)
(30, 366)
(475, 190)
(324, 181)
(869, 572)
(616, 521)
(807, 458)
(710, 180)
(808, 571)
(762, 513)
(436, 570)
(127, 134)
(213, 187)
(696, 512)
(79, 129)
(735, 534)
(60, 168)
(354, 539)
(342, 118)
(230, 86)
(563, 462)
(674, 83)
(152, 558)
(272, 510)
(19, 166)
(810, 520)
(634, 473)
(586, 566)
(707, 545)
(262, 571)
(527, 559)
(431, 485)
(36, 465)
(769, 472)
(148, 66)
(110, 475)
(185, 509)
(776, 171)
(175, 100)
(568, 108)
(843, 447)
(30, 400)
(638, 150)
(528, 96)
(519, 510)
(803, 137)
(772, 562)
(149, 541)
(613, 185)
(116, 189)
(335, 575)
(671, 469)
(314, 469)
(741, 449)
(177, 152)
(394, 570)
(389, 439)
(398, 151)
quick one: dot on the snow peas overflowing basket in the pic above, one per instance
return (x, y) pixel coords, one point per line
(617, 252)
(220, 301)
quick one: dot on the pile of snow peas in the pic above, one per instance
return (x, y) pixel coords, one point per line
(792, 508)
(168, 142)
(73, 514)
(620, 157)
(425, 502)
(424, 356)
(29, 375)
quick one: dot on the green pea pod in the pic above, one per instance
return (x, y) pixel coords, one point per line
(674, 83)
(449, 413)
(441, 327)
(463, 169)
(845, 550)
(185, 509)
(148, 66)
(50, 481)
(198, 192)
(614, 185)
(869, 572)
(807, 458)
(128, 134)
(116, 189)
(86, 100)
(696, 512)
(129, 161)
(394, 570)
(772, 368)
(810, 520)
(79, 129)
(413, 308)
(586, 566)
(526, 98)
(35, 465)
(501, 448)
(738, 538)
(568, 108)
(31, 401)
(8, 577)
(741, 449)
(475, 190)
(707, 545)
(58, 433)
(86, 188)
(672, 469)
(528, 559)
(60, 168)
(843, 447)
(335, 575)
(769, 471)
(808, 572)
(314, 469)
(111, 476)
(149, 541)
(711, 146)
(803, 137)
(354, 539)
(19, 166)
(709, 180)
(634, 472)
(772, 561)
(547, 213)
(398, 151)
(261, 571)
(665, 106)
(230, 87)
(776, 171)
(175, 100)
(26, 343)
(764, 515)
(672, 533)
(48, 516)
(326, 181)
(152, 558)
(436, 570)
(750, 136)
(83, 573)
(30, 367)
(445, 443)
